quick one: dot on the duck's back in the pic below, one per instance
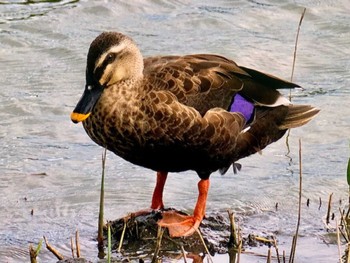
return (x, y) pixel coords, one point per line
(205, 81)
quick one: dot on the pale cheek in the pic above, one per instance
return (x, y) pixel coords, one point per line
(112, 75)
(117, 75)
(104, 78)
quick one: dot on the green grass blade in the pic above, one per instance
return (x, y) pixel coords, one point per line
(109, 243)
(348, 173)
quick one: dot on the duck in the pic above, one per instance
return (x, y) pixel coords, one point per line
(175, 113)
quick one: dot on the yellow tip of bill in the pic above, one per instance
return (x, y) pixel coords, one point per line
(78, 117)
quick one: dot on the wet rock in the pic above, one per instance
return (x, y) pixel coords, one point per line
(140, 237)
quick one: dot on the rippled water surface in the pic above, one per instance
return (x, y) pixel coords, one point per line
(49, 166)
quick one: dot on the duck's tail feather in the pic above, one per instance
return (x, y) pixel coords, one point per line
(298, 115)
(270, 125)
(270, 81)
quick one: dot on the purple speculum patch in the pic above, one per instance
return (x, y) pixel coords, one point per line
(243, 106)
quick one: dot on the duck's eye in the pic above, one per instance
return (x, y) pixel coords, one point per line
(110, 58)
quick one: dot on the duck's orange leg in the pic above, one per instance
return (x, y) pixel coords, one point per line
(157, 199)
(181, 225)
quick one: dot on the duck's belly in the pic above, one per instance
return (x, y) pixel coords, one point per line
(161, 153)
(174, 158)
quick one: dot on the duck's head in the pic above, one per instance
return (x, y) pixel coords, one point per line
(112, 57)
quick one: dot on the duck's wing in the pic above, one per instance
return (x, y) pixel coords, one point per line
(206, 81)
(200, 81)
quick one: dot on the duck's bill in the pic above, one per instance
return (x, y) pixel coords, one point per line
(86, 103)
(78, 117)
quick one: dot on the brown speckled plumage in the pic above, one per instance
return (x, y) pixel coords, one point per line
(176, 113)
(172, 115)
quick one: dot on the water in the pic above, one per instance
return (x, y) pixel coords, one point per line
(51, 168)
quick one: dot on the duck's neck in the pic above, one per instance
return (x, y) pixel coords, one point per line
(122, 97)
(117, 114)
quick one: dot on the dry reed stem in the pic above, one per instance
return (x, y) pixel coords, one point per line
(338, 240)
(276, 248)
(53, 250)
(268, 260)
(343, 225)
(205, 246)
(320, 204)
(329, 209)
(72, 246)
(77, 245)
(233, 229)
(240, 244)
(264, 240)
(100, 215)
(295, 237)
(296, 45)
(34, 252)
(235, 237)
(122, 237)
(345, 231)
(293, 67)
(160, 233)
(183, 254)
(209, 259)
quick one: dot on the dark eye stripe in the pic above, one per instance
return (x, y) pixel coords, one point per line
(99, 72)
(100, 69)
(109, 59)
